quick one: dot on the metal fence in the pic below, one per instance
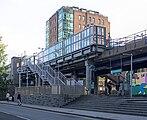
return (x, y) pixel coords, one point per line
(55, 89)
(129, 39)
(33, 90)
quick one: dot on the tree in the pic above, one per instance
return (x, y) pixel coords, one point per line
(3, 67)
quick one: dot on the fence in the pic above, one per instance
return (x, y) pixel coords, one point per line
(33, 90)
(55, 89)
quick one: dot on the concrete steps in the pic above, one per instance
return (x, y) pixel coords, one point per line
(112, 104)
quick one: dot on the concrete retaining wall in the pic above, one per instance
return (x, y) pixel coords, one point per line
(54, 96)
(52, 100)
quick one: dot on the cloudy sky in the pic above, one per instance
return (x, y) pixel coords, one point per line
(22, 22)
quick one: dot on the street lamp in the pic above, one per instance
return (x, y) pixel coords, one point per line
(20, 71)
(131, 71)
(42, 51)
(34, 59)
(42, 56)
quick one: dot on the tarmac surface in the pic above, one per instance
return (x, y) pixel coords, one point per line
(84, 113)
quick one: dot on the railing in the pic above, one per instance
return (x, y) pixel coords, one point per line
(129, 39)
(62, 77)
(58, 79)
(43, 74)
(46, 73)
(72, 82)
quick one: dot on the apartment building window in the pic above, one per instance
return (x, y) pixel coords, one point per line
(17, 65)
(93, 20)
(89, 19)
(79, 17)
(79, 26)
(103, 22)
(99, 21)
(83, 27)
(83, 18)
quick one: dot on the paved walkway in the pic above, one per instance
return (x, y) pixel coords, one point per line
(91, 114)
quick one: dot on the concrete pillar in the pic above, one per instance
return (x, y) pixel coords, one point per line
(88, 77)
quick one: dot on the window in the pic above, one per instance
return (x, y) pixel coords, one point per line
(83, 26)
(83, 18)
(17, 65)
(103, 22)
(93, 20)
(89, 19)
(79, 17)
(79, 26)
(99, 21)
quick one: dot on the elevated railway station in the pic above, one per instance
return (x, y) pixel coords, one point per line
(84, 57)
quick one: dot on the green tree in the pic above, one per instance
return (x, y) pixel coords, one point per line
(3, 67)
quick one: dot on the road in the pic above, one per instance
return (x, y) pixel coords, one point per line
(5, 116)
(23, 113)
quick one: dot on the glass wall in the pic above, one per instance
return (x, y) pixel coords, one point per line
(65, 23)
(87, 37)
(47, 34)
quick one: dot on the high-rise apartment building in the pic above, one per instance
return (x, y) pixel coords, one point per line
(68, 21)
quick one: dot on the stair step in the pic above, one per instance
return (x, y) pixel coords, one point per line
(119, 111)
(121, 105)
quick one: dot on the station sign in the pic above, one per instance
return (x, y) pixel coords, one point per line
(116, 71)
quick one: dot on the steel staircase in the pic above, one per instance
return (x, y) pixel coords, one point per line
(46, 73)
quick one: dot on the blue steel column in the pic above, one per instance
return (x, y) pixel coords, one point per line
(88, 77)
(131, 71)
(19, 80)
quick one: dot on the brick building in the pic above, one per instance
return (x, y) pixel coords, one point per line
(68, 21)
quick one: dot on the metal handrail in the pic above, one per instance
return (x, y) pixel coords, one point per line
(129, 39)
(47, 72)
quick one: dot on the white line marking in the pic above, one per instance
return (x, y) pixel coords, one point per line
(23, 117)
(16, 116)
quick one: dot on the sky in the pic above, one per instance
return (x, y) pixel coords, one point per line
(22, 22)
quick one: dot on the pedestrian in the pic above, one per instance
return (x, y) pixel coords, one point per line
(117, 88)
(109, 87)
(7, 96)
(19, 99)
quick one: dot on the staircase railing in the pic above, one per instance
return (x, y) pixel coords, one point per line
(72, 81)
(46, 72)
(62, 77)
(43, 74)
(58, 76)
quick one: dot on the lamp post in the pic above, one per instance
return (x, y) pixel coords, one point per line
(20, 72)
(34, 59)
(131, 71)
(42, 51)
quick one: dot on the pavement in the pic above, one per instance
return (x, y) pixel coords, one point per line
(84, 113)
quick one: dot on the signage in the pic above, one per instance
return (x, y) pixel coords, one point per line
(116, 71)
